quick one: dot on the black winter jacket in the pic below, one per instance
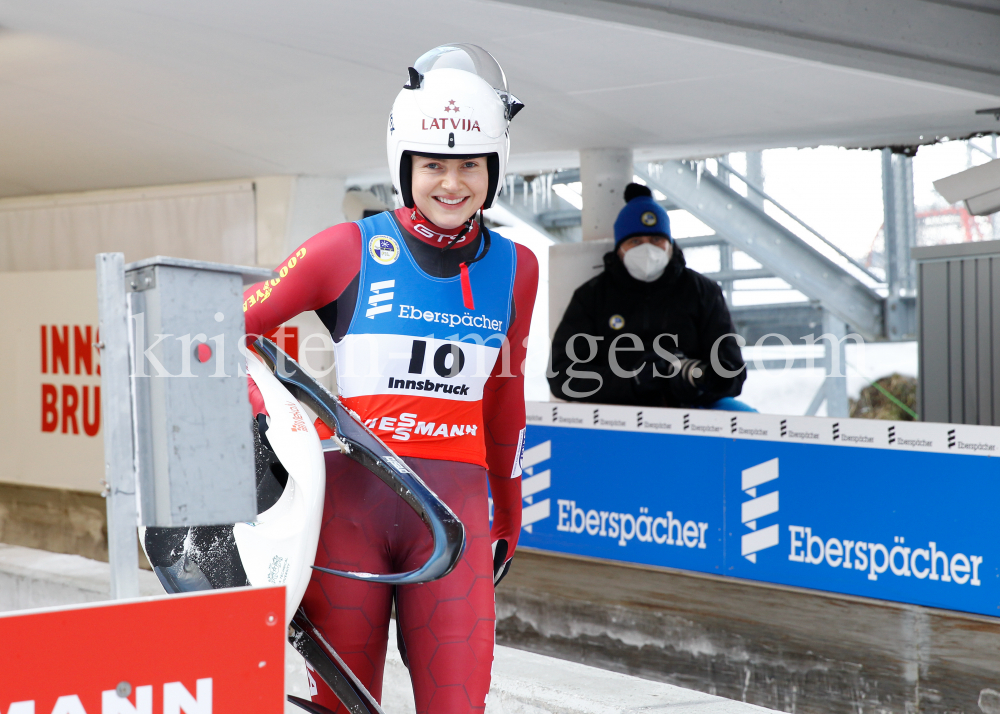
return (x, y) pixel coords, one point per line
(681, 302)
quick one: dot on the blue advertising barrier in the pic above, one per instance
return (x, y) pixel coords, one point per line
(832, 505)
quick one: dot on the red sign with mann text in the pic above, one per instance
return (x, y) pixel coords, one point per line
(203, 653)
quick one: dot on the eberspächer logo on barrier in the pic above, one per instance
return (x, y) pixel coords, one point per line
(758, 507)
(532, 483)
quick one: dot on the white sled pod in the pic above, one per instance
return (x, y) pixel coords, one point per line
(279, 547)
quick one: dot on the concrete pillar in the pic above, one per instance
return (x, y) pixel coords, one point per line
(292, 209)
(604, 174)
(273, 199)
(317, 205)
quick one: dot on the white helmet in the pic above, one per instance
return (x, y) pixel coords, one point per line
(455, 105)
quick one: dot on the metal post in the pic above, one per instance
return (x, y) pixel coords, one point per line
(725, 249)
(726, 266)
(833, 389)
(755, 173)
(836, 366)
(890, 228)
(720, 171)
(907, 207)
(604, 174)
(900, 229)
(995, 218)
(116, 403)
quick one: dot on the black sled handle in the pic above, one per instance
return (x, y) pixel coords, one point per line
(357, 442)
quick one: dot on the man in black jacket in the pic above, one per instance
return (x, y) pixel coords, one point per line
(648, 331)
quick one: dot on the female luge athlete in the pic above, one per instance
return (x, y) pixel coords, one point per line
(429, 313)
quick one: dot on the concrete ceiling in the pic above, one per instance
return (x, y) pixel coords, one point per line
(111, 93)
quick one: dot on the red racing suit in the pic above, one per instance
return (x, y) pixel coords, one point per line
(447, 626)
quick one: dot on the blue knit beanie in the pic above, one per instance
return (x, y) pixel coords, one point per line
(642, 216)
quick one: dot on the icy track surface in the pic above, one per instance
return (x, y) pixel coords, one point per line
(529, 683)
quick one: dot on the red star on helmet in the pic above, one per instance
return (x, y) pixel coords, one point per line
(451, 106)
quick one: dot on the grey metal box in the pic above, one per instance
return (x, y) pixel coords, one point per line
(193, 438)
(958, 311)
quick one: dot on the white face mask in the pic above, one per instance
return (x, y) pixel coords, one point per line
(647, 262)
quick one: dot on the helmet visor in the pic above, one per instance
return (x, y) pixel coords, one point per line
(468, 58)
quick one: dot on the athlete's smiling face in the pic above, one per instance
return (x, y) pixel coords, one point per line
(449, 191)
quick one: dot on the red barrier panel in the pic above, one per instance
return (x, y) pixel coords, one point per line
(220, 651)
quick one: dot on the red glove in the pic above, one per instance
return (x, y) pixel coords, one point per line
(506, 494)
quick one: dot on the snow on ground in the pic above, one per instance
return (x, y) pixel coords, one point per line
(778, 391)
